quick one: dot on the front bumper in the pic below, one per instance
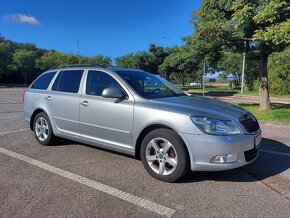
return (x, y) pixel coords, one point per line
(203, 148)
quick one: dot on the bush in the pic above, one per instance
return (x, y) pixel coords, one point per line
(279, 72)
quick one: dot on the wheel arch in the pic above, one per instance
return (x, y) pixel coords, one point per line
(150, 128)
(35, 112)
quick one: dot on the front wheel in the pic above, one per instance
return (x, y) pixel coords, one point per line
(164, 155)
(43, 129)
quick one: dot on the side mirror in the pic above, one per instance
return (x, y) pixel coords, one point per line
(113, 92)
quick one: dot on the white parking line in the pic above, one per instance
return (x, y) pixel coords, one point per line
(275, 152)
(13, 131)
(133, 199)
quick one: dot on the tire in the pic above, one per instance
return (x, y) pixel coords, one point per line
(43, 130)
(164, 155)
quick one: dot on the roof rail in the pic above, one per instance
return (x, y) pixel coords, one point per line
(74, 65)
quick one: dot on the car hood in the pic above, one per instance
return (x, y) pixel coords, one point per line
(203, 106)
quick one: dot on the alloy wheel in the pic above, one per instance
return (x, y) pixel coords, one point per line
(161, 156)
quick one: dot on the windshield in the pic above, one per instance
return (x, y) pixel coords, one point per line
(150, 86)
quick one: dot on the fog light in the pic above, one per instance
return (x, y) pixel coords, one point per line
(225, 158)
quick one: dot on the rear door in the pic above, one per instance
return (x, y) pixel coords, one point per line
(63, 101)
(36, 94)
(105, 120)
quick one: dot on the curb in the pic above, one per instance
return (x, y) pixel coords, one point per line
(256, 96)
(275, 124)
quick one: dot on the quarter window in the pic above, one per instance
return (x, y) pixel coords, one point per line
(68, 81)
(43, 81)
(97, 81)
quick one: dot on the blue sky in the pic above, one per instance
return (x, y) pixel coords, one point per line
(110, 27)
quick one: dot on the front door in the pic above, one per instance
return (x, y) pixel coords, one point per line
(105, 120)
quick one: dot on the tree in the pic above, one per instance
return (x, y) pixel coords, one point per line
(279, 72)
(98, 59)
(70, 59)
(159, 54)
(24, 61)
(182, 62)
(146, 60)
(263, 24)
(49, 59)
(140, 60)
(5, 57)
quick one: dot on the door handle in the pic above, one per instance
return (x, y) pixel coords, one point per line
(85, 103)
(48, 98)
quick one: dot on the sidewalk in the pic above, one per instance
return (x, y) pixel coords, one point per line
(238, 98)
(274, 124)
(252, 99)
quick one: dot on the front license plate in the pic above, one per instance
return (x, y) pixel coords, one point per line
(258, 140)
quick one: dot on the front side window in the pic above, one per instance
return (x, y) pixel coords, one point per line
(43, 81)
(68, 81)
(97, 81)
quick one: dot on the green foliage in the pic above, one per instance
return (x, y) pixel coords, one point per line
(231, 63)
(279, 72)
(140, 60)
(5, 57)
(98, 59)
(146, 60)
(49, 59)
(24, 61)
(226, 25)
(53, 59)
(180, 63)
(276, 114)
(273, 16)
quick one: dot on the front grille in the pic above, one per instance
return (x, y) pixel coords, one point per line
(251, 154)
(250, 125)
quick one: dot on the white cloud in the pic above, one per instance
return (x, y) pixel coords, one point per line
(21, 18)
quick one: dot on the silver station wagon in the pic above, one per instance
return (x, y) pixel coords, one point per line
(141, 114)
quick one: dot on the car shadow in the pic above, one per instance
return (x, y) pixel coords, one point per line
(266, 165)
(67, 142)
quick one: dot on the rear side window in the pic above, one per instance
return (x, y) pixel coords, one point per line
(97, 81)
(43, 81)
(68, 81)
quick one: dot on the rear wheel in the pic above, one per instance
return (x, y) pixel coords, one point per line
(164, 155)
(43, 129)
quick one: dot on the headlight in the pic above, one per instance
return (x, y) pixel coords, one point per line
(215, 126)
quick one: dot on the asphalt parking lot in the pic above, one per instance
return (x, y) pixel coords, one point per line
(76, 180)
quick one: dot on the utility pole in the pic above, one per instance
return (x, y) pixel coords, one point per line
(78, 51)
(204, 72)
(243, 69)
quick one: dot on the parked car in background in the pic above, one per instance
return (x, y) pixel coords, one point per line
(141, 114)
(195, 84)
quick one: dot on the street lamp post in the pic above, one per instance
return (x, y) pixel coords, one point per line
(203, 75)
(243, 70)
(78, 51)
